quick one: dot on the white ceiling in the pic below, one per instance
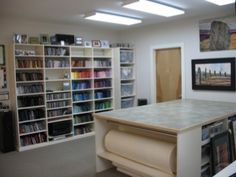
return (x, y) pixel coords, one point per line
(71, 11)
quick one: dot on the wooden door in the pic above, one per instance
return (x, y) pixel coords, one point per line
(168, 74)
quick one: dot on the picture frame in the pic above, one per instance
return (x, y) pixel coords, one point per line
(34, 40)
(53, 40)
(104, 44)
(96, 43)
(87, 44)
(24, 38)
(78, 41)
(20, 38)
(210, 29)
(213, 74)
(221, 151)
(2, 54)
(44, 39)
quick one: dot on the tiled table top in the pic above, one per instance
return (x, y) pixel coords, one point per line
(173, 116)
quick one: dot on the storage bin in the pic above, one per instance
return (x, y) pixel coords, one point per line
(127, 89)
(126, 56)
(126, 73)
(127, 102)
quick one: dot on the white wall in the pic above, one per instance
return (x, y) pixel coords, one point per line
(145, 39)
(184, 32)
(34, 28)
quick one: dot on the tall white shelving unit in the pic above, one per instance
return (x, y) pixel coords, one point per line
(58, 86)
(125, 82)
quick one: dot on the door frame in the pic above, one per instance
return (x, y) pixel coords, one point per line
(153, 68)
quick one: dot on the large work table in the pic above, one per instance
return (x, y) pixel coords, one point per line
(178, 122)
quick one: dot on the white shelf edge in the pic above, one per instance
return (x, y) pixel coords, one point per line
(56, 80)
(62, 107)
(102, 67)
(99, 110)
(205, 141)
(126, 96)
(83, 101)
(28, 56)
(56, 56)
(31, 107)
(29, 94)
(82, 68)
(56, 100)
(79, 79)
(101, 99)
(22, 69)
(34, 132)
(26, 82)
(33, 120)
(102, 88)
(56, 68)
(79, 90)
(81, 56)
(48, 143)
(85, 112)
(55, 117)
(83, 123)
(58, 91)
(100, 78)
(60, 120)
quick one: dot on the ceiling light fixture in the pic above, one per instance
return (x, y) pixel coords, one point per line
(153, 7)
(112, 18)
(221, 2)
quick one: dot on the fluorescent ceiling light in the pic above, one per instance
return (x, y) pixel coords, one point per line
(153, 8)
(111, 18)
(221, 2)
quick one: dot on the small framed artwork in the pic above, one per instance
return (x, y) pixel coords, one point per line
(221, 151)
(2, 54)
(78, 41)
(53, 40)
(104, 44)
(213, 74)
(34, 40)
(87, 44)
(20, 38)
(96, 43)
(24, 39)
(17, 38)
(44, 39)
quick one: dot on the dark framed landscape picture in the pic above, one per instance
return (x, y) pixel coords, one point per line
(221, 151)
(213, 74)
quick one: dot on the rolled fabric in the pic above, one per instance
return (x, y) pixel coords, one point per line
(145, 150)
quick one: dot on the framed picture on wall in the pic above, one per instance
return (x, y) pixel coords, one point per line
(211, 29)
(213, 74)
(221, 151)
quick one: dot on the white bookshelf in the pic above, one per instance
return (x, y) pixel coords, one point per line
(71, 82)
